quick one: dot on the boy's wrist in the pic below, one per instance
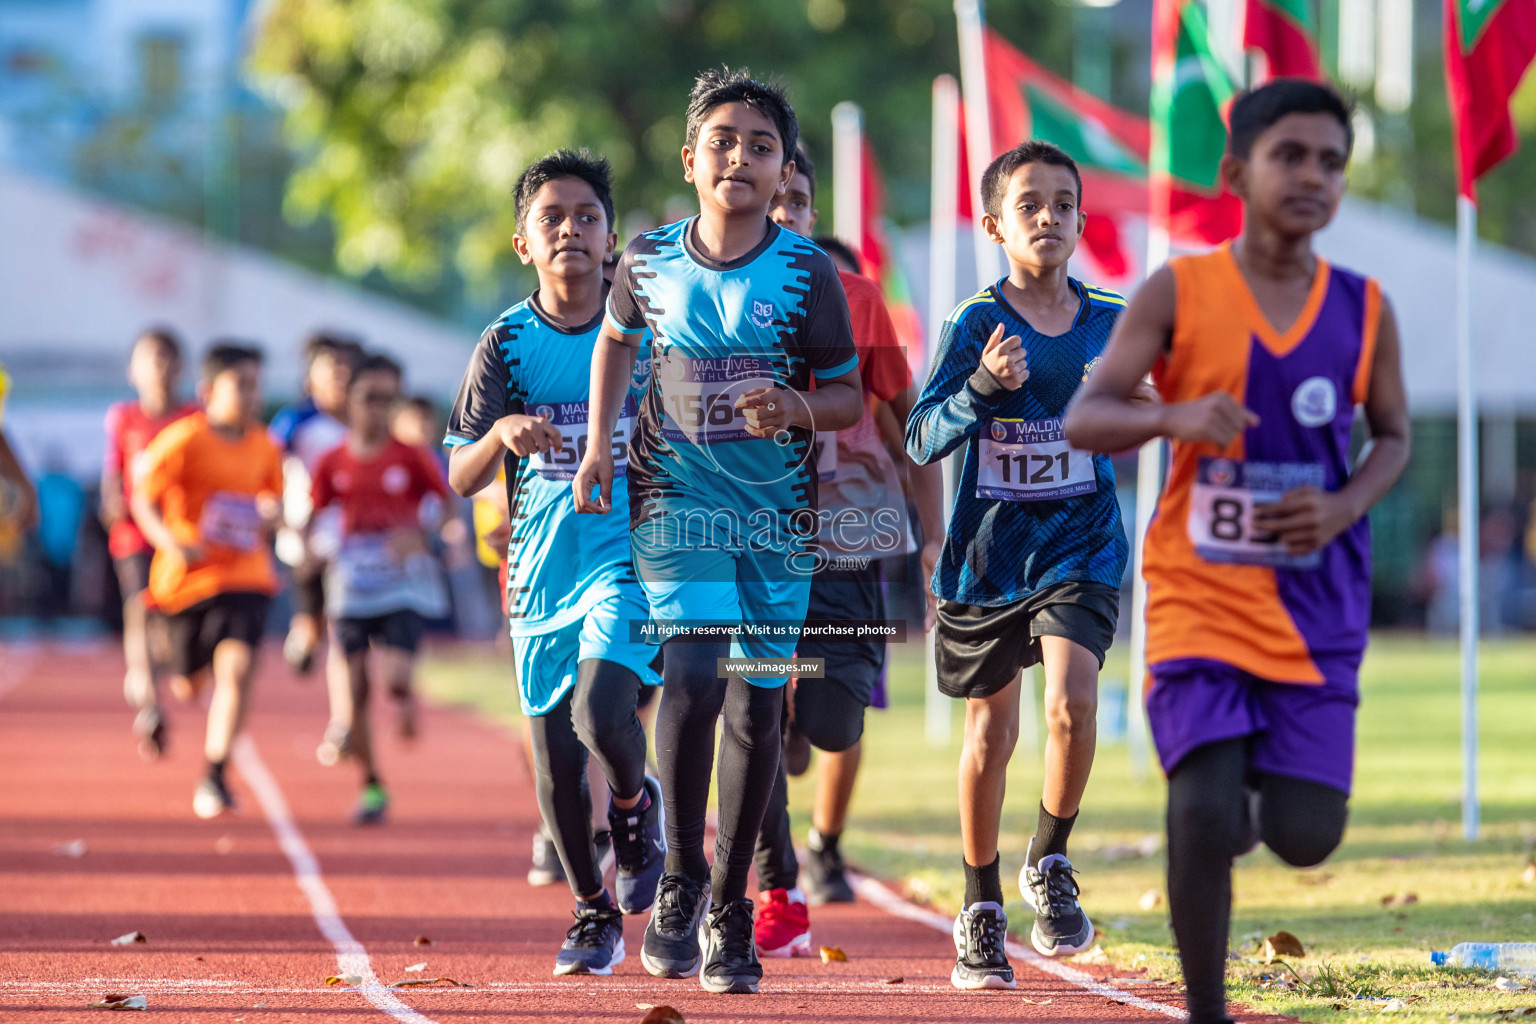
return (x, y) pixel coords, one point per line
(985, 385)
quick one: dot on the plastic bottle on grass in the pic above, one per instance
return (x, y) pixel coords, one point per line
(1494, 956)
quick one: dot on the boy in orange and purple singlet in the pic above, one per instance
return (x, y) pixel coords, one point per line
(1258, 560)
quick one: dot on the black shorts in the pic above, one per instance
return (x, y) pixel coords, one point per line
(845, 595)
(133, 573)
(194, 632)
(981, 649)
(401, 630)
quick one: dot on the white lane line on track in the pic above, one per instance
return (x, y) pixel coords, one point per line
(893, 904)
(351, 957)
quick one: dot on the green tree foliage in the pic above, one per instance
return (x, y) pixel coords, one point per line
(413, 118)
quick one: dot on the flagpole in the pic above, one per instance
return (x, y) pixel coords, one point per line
(1467, 510)
(942, 216)
(1149, 480)
(978, 130)
(848, 174)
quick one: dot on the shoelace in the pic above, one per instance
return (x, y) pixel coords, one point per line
(587, 932)
(675, 902)
(1059, 889)
(986, 938)
(736, 933)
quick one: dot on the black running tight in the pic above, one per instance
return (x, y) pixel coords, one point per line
(598, 714)
(1211, 821)
(692, 700)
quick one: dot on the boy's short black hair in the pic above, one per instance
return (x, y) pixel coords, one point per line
(375, 362)
(719, 86)
(226, 355)
(582, 164)
(1257, 109)
(994, 183)
(166, 338)
(839, 250)
(804, 165)
(329, 343)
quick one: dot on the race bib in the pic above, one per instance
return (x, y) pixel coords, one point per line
(231, 521)
(825, 446)
(1030, 460)
(698, 396)
(570, 418)
(366, 565)
(1221, 510)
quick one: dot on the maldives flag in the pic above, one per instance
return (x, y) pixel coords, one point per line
(1489, 44)
(1109, 145)
(1285, 32)
(1190, 94)
(880, 266)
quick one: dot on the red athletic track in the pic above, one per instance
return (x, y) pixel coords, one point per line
(232, 937)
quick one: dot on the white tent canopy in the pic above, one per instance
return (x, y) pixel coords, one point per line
(1415, 261)
(78, 278)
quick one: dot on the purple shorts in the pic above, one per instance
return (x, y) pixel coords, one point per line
(1299, 731)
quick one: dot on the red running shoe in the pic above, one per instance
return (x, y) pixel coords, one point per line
(783, 925)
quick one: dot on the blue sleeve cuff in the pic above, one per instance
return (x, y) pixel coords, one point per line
(457, 441)
(608, 319)
(837, 371)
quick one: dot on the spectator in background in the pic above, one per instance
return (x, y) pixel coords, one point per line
(154, 370)
(18, 499)
(61, 505)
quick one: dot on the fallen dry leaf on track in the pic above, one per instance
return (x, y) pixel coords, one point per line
(1037, 1002)
(416, 968)
(893, 981)
(130, 939)
(1281, 944)
(351, 980)
(424, 982)
(663, 1015)
(1150, 900)
(830, 954)
(71, 848)
(1093, 956)
(114, 1001)
(422, 940)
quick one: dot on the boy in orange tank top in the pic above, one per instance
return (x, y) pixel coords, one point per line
(1257, 561)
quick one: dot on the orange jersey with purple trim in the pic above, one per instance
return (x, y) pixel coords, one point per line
(1217, 589)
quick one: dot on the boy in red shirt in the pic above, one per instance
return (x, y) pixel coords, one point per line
(375, 499)
(154, 369)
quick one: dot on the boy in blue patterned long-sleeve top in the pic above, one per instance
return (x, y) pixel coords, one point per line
(1032, 563)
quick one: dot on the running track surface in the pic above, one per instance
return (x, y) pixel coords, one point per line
(248, 915)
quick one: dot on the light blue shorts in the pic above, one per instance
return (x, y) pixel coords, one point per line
(546, 662)
(727, 585)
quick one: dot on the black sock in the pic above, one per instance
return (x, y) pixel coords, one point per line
(1050, 836)
(372, 779)
(216, 771)
(822, 842)
(602, 902)
(982, 884)
(635, 811)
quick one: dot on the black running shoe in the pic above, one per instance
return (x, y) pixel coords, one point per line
(545, 868)
(730, 950)
(823, 878)
(640, 849)
(593, 945)
(1061, 927)
(671, 948)
(980, 932)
